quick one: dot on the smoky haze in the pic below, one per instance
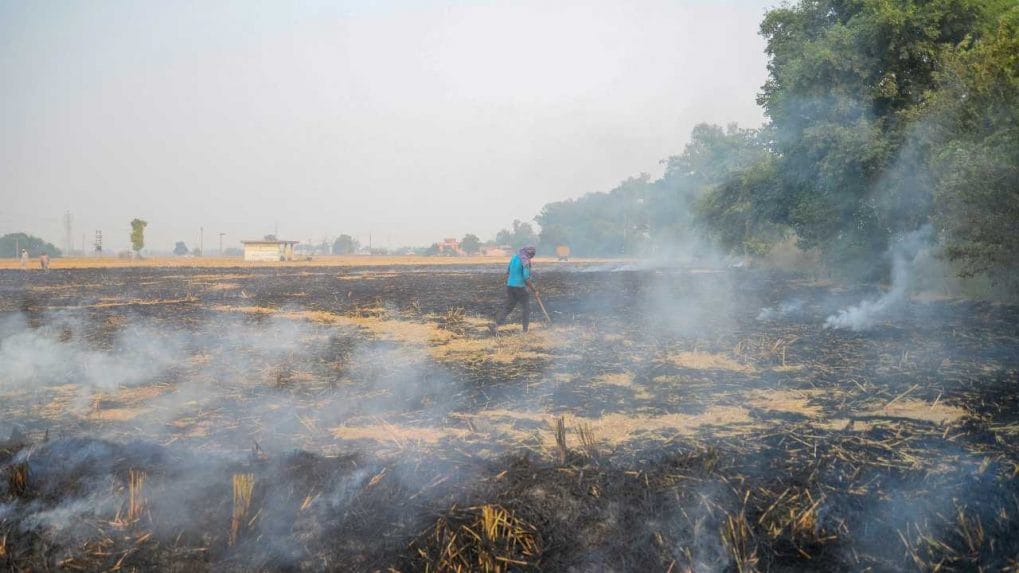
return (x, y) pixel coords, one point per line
(412, 121)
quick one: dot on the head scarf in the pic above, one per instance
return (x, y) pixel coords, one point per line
(526, 254)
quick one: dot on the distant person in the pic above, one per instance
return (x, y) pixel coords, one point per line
(24, 258)
(518, 281)
(44, 261)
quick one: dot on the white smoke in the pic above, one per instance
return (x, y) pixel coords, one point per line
(904, 253)
(33, 357)
(785, 309)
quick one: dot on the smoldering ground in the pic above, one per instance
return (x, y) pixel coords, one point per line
(904, 254)
(314, 421)
(240, 387)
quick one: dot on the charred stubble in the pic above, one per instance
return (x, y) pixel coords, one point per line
(322, 419)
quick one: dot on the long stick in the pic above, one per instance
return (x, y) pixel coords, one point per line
(895, 399)
(542, 305)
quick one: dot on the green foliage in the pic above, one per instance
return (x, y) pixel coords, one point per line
(521, 235)
(470, 244)
(847, 85)
(973, 133)
(345, 245)
(180, 249)
(884, 116)
(642, 216)
(696, 192)
(735, 212)
(138, 234)
(12, 243)
(597, 224)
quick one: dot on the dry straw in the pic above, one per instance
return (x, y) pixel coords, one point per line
(244, 484)
(136, 503)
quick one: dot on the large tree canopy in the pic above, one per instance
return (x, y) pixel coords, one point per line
(12, 243)
(470, 244)
(642, 216)
(345, 245)
(846, 93)
(520, 235)
(884, 116)
(973, 134)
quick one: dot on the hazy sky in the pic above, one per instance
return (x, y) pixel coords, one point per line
(411, 120)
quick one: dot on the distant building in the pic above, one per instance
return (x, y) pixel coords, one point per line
(264, 250)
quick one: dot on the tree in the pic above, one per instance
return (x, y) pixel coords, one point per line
(521, 235)
(596, 224)
(735, 212)
(138, 235)
(846, 82)
(470, 244)
(180, 249)
(12, 243)
(345, 245)
(884, 116)
(973, 139)
(433, 250)
(641, 215)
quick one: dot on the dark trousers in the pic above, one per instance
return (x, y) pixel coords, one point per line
(515, 295)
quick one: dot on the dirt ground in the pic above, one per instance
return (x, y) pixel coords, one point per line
(363, 418)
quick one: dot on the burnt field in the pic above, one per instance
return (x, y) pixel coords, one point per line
(363, 419)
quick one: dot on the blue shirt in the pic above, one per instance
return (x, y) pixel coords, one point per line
(518, 273)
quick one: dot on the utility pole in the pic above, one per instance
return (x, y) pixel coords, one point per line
(369, 242)
(68, 236)
(221, 244)
(201, 240)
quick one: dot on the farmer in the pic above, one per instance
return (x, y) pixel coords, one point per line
(518, 280)
(24, 258)
(44, 261)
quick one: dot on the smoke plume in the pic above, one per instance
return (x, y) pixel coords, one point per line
(904, 253)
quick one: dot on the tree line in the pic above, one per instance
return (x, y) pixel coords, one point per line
(12, 244)
(883, 116)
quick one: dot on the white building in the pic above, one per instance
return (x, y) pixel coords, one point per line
(267, 251)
